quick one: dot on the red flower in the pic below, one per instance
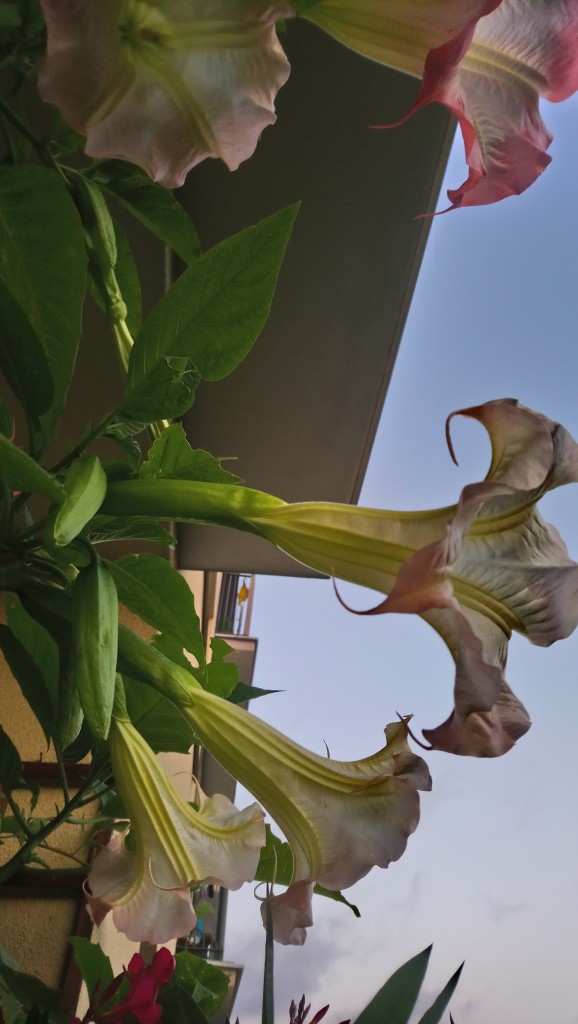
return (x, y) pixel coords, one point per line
(140, 1002)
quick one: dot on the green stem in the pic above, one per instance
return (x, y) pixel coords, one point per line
(87, 439)
(41, 147)
(17, 815)
(23, 854)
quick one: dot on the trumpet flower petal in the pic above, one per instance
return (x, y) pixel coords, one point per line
(341, 818)
(145, 877)
(165, 85)
(489, 63)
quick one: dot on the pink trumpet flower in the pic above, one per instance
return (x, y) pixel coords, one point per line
(490, 69)
(165, 85)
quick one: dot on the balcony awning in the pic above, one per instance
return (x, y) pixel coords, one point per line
(302, 410)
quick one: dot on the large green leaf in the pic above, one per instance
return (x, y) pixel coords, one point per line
(396, 999)
(149, 586)
(10, 763)
(152, 204)
(38, 643)
(171, 457)
(43, 264)
(22, 357)
(29, 991)
(93, 964)
(157, 719)
(215, 311)
(202, 982)
(29, 678)
(22, 473)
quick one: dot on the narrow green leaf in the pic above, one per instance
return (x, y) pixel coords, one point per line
(215, 311)
(95, 643)
(172, 457)
(38, 643)
(243, 693)
(396, 999)
(22, 357)
(149, 586)
(436, 1010)
(29, 678)
(6, 421)
(10, 763)
(43, 264)
(94, 965)
(334, 894)
(152, 204)
(22, 473)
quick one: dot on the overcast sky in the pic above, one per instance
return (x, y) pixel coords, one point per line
(490, 876)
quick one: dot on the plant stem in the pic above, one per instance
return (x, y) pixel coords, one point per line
(18, 816)
(23, 854)
(41, 147)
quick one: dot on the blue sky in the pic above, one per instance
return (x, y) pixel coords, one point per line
(490, 875)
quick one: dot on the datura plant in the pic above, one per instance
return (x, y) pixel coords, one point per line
(81, 472)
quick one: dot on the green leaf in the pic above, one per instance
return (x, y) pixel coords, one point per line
(396, 999)
(180, 1007)
(95, 643)
(222, 676)
(243, 693)
(157, 719)
(215, 311)
(166, 393)
(22, 473)
(152, 204)
(43, 264)
(6, 421)
(172, 457)
(276, 861)
(149, 586)
(29, 678)
(85, 489)
(110, 528)
(38, 643)
(22, 357)
(436, 1010)
(94, 965)
(202, 982)
(338, 897)
(28, 990)
(10, 763)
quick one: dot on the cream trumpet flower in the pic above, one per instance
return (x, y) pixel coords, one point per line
(165, 85)
(488, 63)
(341, 818)
(475, 571)
(144, 878)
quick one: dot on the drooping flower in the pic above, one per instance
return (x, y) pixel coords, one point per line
(165, 85)
(340, 818)
(491, 73)
(475, 571)
(144, 877)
